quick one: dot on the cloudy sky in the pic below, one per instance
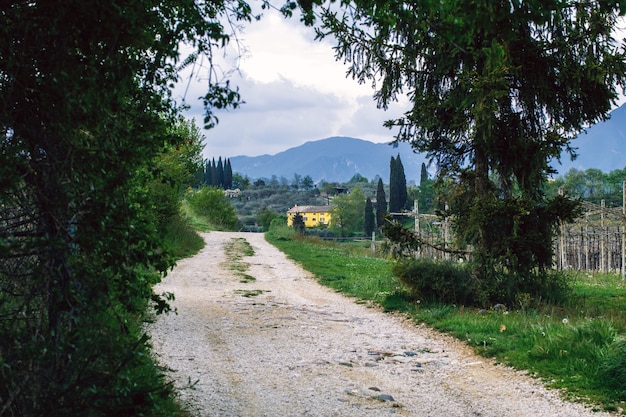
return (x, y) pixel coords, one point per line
(294, 92)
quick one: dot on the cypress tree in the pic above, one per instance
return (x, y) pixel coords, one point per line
(423, 175)
(369, 220)
(381, 204)
(403, 195)
(394, 198)
(220, 173)
(228, 175)
(213, 174)
(207, 173)
(397, 186)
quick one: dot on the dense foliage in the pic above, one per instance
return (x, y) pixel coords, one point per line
(591, 185)
(497, 91)
(88, 157)
(214, 174)
(212, 204)
(347, 213)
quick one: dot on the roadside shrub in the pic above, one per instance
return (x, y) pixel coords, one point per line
(279, 229)
(453, 283)
(437, 281)
(211, 203)
(180, 237)
(265, 218)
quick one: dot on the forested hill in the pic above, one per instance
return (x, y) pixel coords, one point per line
(602, 146)
(332, 159)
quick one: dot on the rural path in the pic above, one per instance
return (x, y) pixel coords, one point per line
(299, 349)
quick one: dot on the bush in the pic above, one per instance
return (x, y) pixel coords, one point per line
(211, 203)
(438, 281)
(454, 283)
(279, 229)
(265, 218)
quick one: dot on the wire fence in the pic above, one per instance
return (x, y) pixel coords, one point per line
(595, 242)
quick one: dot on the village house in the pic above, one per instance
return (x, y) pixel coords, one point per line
(313, 216)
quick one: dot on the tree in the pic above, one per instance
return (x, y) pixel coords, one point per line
(298, 223)
(85, 115)
(397, 186)
(212, 204)
(171, 172)
(240, 182)
(228, 175)
(265, 218)
(307, 182)
(426, 199)
(381, 204)
(297, 181)
(214, 177)
(357, 178)
(369, 220)
(347, 212)
(491, 104)
(208, 173)
(424, 174)
(220, 173)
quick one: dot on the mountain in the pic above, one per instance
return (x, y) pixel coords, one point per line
(332, 159)
(602, 146)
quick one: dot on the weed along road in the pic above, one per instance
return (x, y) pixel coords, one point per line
(255, 335)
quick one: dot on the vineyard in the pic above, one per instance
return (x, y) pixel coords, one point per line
(596, 241)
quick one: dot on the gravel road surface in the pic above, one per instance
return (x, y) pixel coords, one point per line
(282, 345)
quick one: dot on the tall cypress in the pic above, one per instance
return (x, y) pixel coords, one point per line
(213, 174)
(381, 204)
(368, 219)
(423, 174)
(403, 195)
(397, 186)
(220, 173)
(394, 198)
(207, 173)
(228, 175)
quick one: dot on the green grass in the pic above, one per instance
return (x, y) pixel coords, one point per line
(236, 249)
(181, 238)
(197, 222)
(579, 347)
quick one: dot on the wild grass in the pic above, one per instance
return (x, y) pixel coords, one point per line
(197, 222)
(181, 238)
(236, 249)
(578, 346)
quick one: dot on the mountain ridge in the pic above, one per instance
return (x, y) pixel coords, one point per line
(339, 158)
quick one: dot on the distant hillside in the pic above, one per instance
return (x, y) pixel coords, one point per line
(602, 146)
(332, 159)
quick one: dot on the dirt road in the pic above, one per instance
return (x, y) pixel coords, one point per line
(283, 345)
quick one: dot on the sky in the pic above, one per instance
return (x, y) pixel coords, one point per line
(294, 92)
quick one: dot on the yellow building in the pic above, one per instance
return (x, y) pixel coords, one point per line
(313, 215)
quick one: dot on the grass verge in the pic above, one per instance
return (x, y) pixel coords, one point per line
(578, 347)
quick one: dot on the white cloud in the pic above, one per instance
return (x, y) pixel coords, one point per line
(294, 92)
